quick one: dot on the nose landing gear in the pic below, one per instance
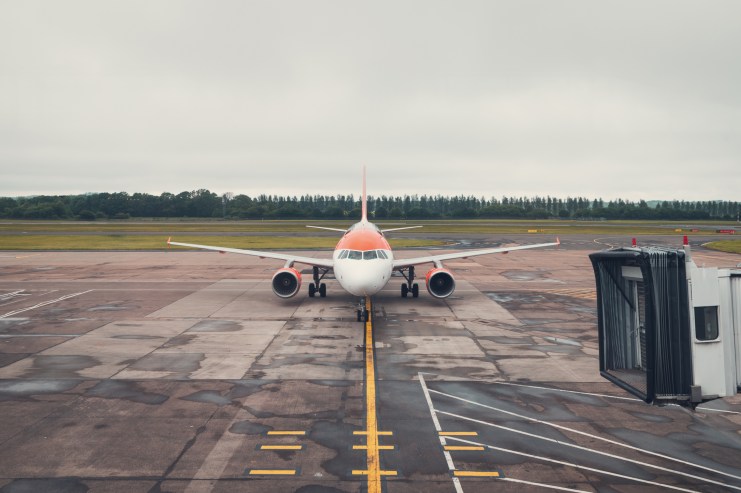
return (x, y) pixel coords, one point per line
(362, 311)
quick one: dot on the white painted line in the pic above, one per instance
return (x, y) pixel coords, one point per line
(586, 449)
(12, 294)
(716, 410)
(569, 391)
(215, 463)
(11, 336)
(438, 429)
(577, 466)
(595, 437)
(44, 303)
(542, 485)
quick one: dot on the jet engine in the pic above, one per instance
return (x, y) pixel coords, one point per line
(440, 283)
(286, 282)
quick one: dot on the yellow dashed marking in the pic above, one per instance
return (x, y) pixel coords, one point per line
(272, 472)
(586, 294)
(357, 472)
(281, 447)
(286, 432)
(462, 447)
(458, 434)
(379, 433)
(476, 474)
(380, 447)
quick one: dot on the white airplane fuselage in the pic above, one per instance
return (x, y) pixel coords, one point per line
(363, 260)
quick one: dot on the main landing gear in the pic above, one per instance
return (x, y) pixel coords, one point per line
(318, 286)
(362, 311)
(410, 286)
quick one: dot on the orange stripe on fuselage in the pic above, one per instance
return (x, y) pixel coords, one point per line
(363, 239)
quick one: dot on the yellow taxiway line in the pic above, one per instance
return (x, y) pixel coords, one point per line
(286, 432)
(373, 460)
(281, 447)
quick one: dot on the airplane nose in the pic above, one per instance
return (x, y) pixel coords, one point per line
(364, 287)
(360, 279)
(368, 288)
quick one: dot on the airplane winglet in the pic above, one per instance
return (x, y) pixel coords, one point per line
(558, 242)
(168, 243)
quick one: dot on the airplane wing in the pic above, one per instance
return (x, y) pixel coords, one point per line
(319, 262)
(436, 259)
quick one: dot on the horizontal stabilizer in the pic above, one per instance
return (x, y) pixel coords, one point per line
(328, 229)
(399, 229)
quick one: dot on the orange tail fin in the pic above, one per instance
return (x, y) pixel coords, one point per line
(364, 205)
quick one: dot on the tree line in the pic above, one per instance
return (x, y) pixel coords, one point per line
(205, 204)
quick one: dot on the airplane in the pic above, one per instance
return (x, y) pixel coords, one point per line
(363, 263)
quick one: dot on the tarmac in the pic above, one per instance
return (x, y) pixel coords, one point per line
(183, 372)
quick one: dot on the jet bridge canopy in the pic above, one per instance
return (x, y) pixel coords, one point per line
(643, 321)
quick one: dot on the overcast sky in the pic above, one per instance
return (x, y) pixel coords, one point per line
(590, 98)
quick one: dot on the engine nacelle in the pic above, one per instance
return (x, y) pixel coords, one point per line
(286, 282)
(440, 283)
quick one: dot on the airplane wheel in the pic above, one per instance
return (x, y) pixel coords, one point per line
(323, 290)
(415, 290)
(312, 290)
(404, 290)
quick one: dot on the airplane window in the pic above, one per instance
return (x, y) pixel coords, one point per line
(370, 255)
(343, 254)
(382, 254)
(355, 255)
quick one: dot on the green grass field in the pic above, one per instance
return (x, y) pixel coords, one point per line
(156, 242)
(151, 234)
(728, 246)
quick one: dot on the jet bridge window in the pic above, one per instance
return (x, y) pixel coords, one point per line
(370, 255)
(355, 255)
(706, 323)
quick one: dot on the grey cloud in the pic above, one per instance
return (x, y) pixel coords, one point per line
(611, 99)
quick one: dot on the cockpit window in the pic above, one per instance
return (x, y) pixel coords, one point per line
(370, 255)
(382, 254)
(343, 254)
(355, 255)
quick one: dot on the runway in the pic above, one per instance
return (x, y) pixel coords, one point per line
(183, 372)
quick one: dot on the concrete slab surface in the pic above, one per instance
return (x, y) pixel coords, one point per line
(172, 372)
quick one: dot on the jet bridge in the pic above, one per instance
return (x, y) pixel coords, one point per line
(669, 331)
